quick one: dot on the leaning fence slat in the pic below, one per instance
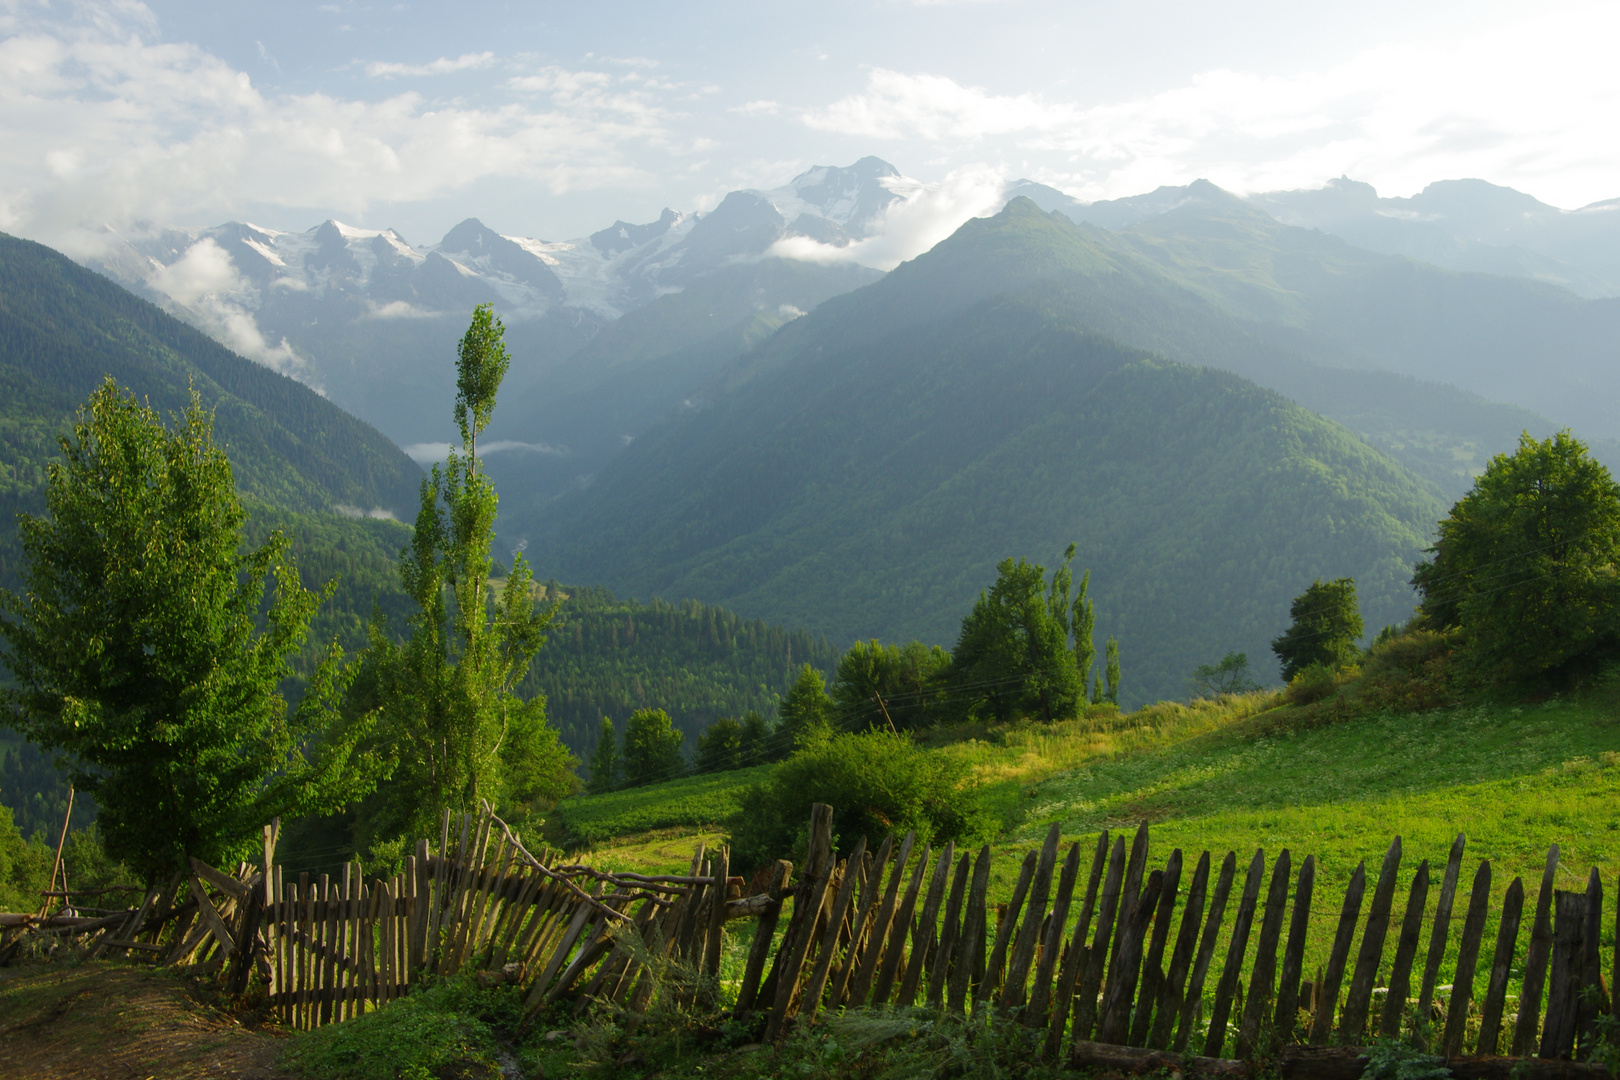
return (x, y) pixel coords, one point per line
(970, 947)
(1263, 980)
(1040, 996)
(835, 925)
(763, 935)
(1327, 997)
(1229, 982)
(894, 954)
(1074, 953)
(1169, 1006)
(877, 929)
(1028, 936)
(1462, 984)
(814, 899)
(869, 886)
(950, 933)
(1442, 924)
(1535, 963)
(996, 968)
(1134, 869)
(1400, 976)
(1153, 964)
(1558, 1034)
(1116, 1009)
(1507, 940)
(717, 915)
(1085, 1004)
(924, 937)
(1293, 965)
(1591, 980)
(1206, 951)
(1353, 1024)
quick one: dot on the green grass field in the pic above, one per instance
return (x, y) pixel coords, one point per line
(692, 802)
(1249, 773)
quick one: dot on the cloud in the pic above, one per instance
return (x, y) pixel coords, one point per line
(935, 108)
(1529, 103)
(924, 215)
(102, 123)
(756, 108)
(205, 286)
(379, 69)
(429, 453)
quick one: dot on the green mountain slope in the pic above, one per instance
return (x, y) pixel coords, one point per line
(62, 328)
(642, 367)
(863, 472)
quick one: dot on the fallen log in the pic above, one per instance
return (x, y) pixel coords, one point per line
(1314, 1063)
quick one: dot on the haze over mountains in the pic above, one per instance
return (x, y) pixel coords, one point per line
(675, 423)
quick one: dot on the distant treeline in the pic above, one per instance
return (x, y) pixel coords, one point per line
(609, 657)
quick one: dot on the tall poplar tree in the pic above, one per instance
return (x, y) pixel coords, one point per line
(449, 701)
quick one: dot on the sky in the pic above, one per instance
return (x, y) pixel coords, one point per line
(552, 120)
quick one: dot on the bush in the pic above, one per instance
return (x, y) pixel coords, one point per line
(1411, 670)
(1311, 684)
(875, 781)
(447, 1027)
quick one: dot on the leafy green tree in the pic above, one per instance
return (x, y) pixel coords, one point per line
(877, 685)
(144, 649)
(805, 715)
(452, 719)
(1326, 626)
(604, 760)
(652, 748)
(1111, 672)
(756, 740)
(1526, 563)
(720, 747)
(1012, 656)
(1230, 675)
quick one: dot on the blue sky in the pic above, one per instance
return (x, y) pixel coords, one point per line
(552, 120)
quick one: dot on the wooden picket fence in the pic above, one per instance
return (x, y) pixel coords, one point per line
(890, 929)
(1117, 969)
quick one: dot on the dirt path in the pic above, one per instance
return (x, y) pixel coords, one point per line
(115, 1021)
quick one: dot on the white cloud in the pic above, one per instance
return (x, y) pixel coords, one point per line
(1529, 103)
(379, 69)
(103, 124)
(756, 108)
(429, 453)
(923, 216)
(204, 284)
(935, 108)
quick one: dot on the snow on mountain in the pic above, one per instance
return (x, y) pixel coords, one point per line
(368, 317)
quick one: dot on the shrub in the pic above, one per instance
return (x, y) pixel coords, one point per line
(1311, 684)
(875, 781)
(441, 1028)
(1411, 670)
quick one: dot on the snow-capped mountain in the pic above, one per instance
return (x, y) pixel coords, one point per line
(369, 318)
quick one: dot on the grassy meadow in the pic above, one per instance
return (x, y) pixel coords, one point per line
(1251, 772)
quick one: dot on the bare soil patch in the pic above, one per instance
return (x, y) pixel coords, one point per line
(118, 1021)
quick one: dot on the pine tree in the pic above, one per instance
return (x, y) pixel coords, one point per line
(604, 760)
(805, 716)
(1112, 672)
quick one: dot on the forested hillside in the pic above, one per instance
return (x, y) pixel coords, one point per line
(609, 657)
(64, 328)
(862, 472)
